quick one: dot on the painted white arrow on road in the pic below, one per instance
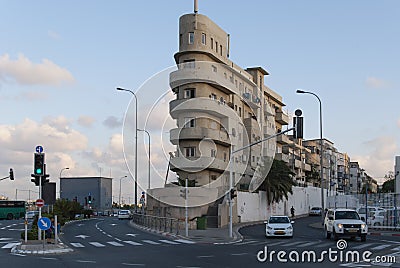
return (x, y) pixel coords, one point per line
(132, 235)
(82, 236)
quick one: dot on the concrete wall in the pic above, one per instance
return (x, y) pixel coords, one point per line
(253, 206)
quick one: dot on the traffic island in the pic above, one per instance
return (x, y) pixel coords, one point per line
(40, 248)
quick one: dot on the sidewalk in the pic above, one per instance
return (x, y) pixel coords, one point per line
(37, 247)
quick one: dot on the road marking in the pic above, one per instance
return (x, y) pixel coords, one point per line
(116, 244)
(17, 254)
(6, 238)
(381, 247)
(294, 243)
(110, 236)
(77, 245)
(133, 243)
(47, 258)
(397, 248)
(363, 246)
(247, 242)
(16, 229)
(276, 243)
(239, 254)
(151, 242)
(307, 244)
(119, 240)
(132, 235)
(10, 245)
(209, 256)
(83, 261)
(82, 236)
(169, 242)
(97, 244)
(323, 245)
(133, 264)
(185, 241)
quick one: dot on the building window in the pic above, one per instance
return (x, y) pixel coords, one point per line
(189, 122)
(203, 38)
(214, 68)
(191, 37)
(240, 111)
(225, 156)
(216, 46)
(213, 177)
(189, 93)
(213, 96)
(212, 43)
(235, 107)
(213, 153)
(190, 151)
(220, 49)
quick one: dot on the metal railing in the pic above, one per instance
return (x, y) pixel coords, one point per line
(162, 224)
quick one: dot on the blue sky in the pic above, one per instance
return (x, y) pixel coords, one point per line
(60, 62)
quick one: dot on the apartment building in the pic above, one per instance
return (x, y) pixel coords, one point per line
(220, 107)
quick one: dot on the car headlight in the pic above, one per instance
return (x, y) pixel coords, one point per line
(290, 228)
(269, 227)
(340, 226)
(362, 226)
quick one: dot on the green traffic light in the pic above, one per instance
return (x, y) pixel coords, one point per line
(39, 171)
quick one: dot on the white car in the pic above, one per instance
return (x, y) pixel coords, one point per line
(315, 211)
(31, 214)
(279, 226)
(342, 222)
(124, 214)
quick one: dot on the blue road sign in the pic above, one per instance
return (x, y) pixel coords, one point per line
(44, 223)
(39, 149)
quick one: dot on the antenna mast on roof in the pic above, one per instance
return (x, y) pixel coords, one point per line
(196, 6)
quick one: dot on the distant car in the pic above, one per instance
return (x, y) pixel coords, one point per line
(32, 214)
(124, 214)
(315, 211)
(279, 226)
(377, 218)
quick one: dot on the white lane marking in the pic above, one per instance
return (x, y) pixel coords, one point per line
(133, 264)
(77, 245)
(307, 244)
(47, 258)
(116, 244)
(381, 247)
(397, 248)
(16, 229)
(246, 242)
(151, 242)
(133, 243)
(10, 245)
(276, 243)
(239, 254)
(209, 256)
(6, 238)
(363, 246)
(119, 240)
(132, 235)
(185, 241)
(110, 236)
(82, 236)
(97, 244)
(83, 261)
(169, 242)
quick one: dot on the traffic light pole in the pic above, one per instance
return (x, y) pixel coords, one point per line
(231, 174)
(40, 208)
(186, 209)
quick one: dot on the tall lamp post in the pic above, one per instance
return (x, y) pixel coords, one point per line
(299, 91)
(136, 130)
(148, 134)
(119, 196)
(60, 176)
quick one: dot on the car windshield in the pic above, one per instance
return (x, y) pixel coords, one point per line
(315, 208)
(351, 215)
(278, 220)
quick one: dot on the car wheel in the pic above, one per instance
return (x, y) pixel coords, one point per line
(335, 236)
(363, 238)
(327, 234)
(9, 216)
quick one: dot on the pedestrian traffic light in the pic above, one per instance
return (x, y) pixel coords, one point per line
(232, 193)
(11, 174)
(38, 164)
(35, 179)
(45, 176)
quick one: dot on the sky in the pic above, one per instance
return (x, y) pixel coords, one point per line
(61, 61)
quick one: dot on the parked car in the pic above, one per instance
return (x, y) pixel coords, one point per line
(376, 218)
(315, 211)
(279, 226)
(362, 211)
(124, 214)
(343, 222)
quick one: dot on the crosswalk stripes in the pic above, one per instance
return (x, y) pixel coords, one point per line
(323, 245)
(116, 244)
(133, 243)
(381, 247)
(77, 245)
(294, 243)
(169, 242)
(97, 244)
(10, 245)
(363, 246)
(150, 242)
(185, 241)
(307, 244)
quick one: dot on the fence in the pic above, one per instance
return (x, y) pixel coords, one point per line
(163, 224)
(378, 210)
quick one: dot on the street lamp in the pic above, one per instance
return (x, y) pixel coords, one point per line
(148, 134)
(136, 130)
(62, 171)
(119, 197)
(299, 91)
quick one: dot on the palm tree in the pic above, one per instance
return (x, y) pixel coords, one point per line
(278, 183)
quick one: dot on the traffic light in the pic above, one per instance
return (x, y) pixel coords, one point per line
(90, 199)
(45, 176)
(11, 174)
(38, 164)
(232, 193)
(298, 125)
(35, 179)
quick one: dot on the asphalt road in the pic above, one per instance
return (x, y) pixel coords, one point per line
(109, 242)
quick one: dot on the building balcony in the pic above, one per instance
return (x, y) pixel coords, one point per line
(203, 105)
(281, 118)
(283, 139)
(197, 164)
(306, 167)
(297, 163)
(198, 133)
(282, 157)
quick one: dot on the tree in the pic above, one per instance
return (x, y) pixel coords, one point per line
(278, 183)
(389, 184)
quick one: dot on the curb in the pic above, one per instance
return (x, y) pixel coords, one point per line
(66, 249)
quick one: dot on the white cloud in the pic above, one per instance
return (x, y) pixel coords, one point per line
(376, 83)
(380, 159)
(86, 121)
(112, 122)
(25, 72)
